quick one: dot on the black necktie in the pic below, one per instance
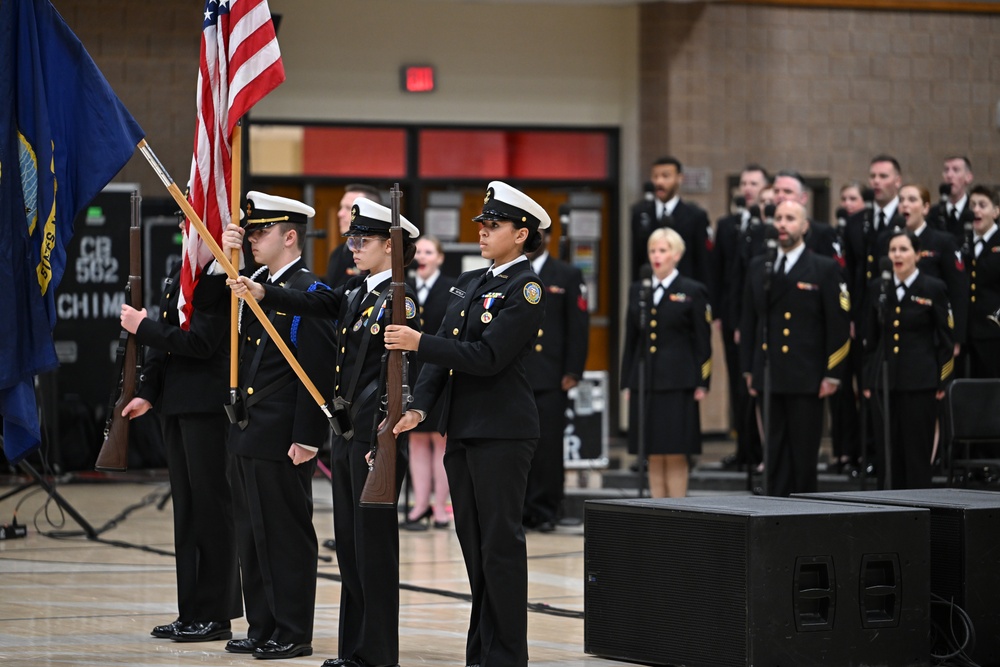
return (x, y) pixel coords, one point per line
(658, 294)
(781, 266)
(881, 220)
(900, 292)
(488, 276)
(979, 246)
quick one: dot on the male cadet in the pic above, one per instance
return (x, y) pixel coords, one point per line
(668, 210)
(275, 443)
(953, 214)
(804, 311)
(984, 284)
(340, 266)
(729, 271)
(555, 367)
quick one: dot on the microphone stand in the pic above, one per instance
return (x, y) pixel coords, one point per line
(868, 197)
(883, 315)
(766, 407)
(644, 366)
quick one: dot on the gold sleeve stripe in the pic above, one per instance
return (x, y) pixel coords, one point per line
(838, 356)
(706, 369)
(947, 369)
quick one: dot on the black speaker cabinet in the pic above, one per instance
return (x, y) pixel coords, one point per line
(965, 552)
(741, 581)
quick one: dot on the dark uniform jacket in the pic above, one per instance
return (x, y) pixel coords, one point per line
(808, 325)
(187, 372)
(688, 220)
(984, 289)
(939, 219)
(561, 348)
(679, 338)
(478, 356)
(357, 319)
(289, 414)
(940, 259)
(726, 272)
(861, 243)
(919, 348)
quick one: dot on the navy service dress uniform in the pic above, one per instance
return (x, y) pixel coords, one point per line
(476, 361)
(184, 377)
(273, 497)
(431, 313)
(806, 315)
(561, 349)
(367, 538)
(688, 220)
(679, 345)
(983, 334)
(916, 340)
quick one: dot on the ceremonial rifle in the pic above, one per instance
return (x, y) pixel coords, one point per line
(113, 456)
(380, 487)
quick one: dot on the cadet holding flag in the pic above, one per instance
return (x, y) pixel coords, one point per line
(476, 361)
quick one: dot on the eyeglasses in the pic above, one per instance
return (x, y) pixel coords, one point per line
(355, 243)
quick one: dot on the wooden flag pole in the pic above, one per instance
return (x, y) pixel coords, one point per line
(234, 207)
(233, 273)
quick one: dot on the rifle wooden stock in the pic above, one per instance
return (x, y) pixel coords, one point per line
(113, 456)
(380, 487)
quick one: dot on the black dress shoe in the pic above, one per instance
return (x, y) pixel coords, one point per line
(272, 650)
(732, 462)
(330, 544)
(243, 645)
(545, 527)
(168, 631)
(204, 631)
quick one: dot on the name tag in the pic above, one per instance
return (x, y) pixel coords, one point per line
(457, 292)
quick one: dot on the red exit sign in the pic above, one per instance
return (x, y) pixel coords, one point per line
(418, 78)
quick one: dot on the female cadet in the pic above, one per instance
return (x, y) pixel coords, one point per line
(476, 361)
(367, 539)
(984, 283)
(426, 444)
(678, 366)
(913, 333)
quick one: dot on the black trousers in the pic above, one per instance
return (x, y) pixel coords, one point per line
(911, 434)
(368, 556)
(277, 546)
(793, 443)
(741, 405)
(488, 480)
(546, 478)
(208, 576)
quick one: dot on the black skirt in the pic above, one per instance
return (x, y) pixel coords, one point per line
(673, 423)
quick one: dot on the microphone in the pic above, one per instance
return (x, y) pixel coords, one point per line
(944, 190)
(754, 214)
(648, 191)
(740, 203)
(841, 215)
(885, 271)
(771, 254)
(645, 286)
(564, 220)
(769, 215)
(868, 197)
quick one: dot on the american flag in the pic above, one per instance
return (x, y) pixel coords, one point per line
(240, 63)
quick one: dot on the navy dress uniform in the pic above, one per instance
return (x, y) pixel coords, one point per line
(367, 539)
(916, 341)
(983, 334)
(185, 378)
(476, 361)
(679, 346)
(431, 311)
(561, 350)
(688, 220)
(806, 317)
(277, 541)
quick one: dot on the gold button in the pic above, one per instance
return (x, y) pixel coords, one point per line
(258, 341)
(249, 390)
(897, 310)
(539, 333)
(343, 350)
(973, 298)
(454, 332)
(338, 369)
(973, 272)
(538, 348)
(869, 275)
(167, 296)
(973, 287)
(652, 349)
(895, 350)
(786, 332)
(895, 336)
(164, 313)
(344, 330)
(788, 316)
(895, 323)
(451, 371)
(870, 258)
(248, 339)
(784, 348)
(764, 347)
(653, 311)
(652, 336)
(652, 323)
(337, 388)
(462, 314)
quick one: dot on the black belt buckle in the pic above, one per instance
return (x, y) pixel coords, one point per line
(236, 409)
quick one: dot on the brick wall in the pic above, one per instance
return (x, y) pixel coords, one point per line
(818, 90)
(148, 51)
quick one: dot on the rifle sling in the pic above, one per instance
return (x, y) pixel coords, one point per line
(119, 370)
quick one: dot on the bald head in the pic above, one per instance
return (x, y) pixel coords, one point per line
(791, 222)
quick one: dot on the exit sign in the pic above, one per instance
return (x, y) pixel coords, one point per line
(417, 78)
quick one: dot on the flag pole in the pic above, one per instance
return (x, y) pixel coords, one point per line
(236, 169)
(233, 273)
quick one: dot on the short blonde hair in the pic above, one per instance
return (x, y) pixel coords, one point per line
(668, 236)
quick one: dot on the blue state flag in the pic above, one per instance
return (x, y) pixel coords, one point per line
(64, 134)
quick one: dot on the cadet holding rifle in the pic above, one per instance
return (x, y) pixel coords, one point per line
(476, 362)
(367, 539)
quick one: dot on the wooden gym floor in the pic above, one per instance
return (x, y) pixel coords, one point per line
(68, 600)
